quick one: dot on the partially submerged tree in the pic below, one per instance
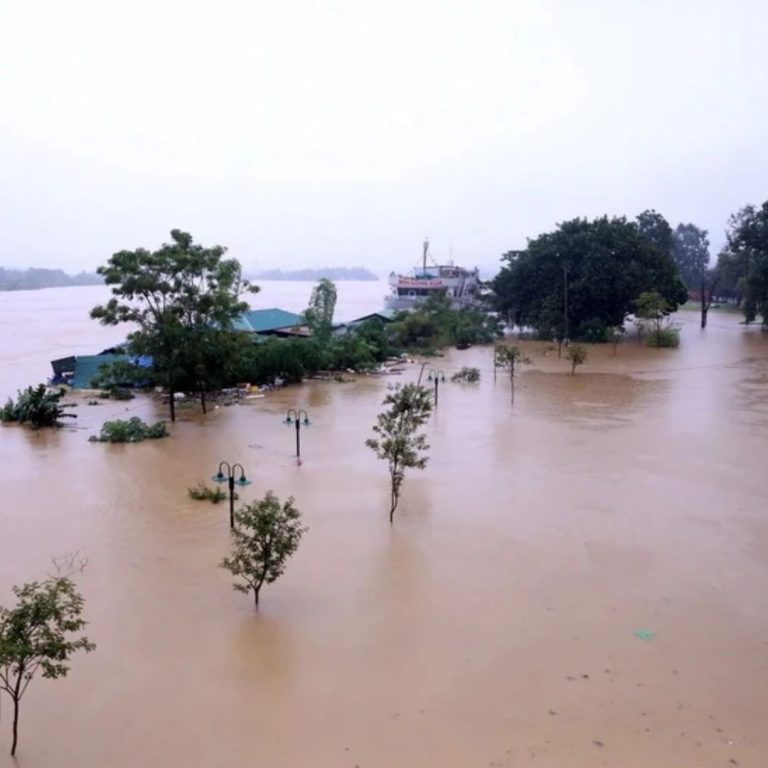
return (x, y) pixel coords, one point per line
(36, 635)
(691, 253)
(183, 298)
(577, 354)
(747, 249)
(509, 358)
(397, 440)
(322, 304)
(265, 535)
(39, 406)
(652, 306)
(585, 275)
(467, 375)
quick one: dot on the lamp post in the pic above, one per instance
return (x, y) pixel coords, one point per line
(437, 376)
(229, 477)
(298, 418)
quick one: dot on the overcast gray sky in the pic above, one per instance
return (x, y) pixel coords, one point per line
(308, 133)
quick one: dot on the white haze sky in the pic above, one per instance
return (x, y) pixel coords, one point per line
(303, 133)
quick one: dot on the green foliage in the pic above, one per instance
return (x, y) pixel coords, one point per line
(116, 376)
(747, 256)
(36, 635)
(322, 304)
(656, 230)
(38, 406)
(397, 441)
(203, 492)
(183, 298)
(467, 375)
(266, 534)
(434, 324)
(593, 331)
(665, 337)
(509, 357)
(654, 307)
(690, 249)
(133, 430)
(577, 354)
(600, 265)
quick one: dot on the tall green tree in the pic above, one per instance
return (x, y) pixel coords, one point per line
(398, 441)
(266, 534)
(322, 305)
(584, 276)
(656, 229)
(747, 250)
(36, 635)
(691, 253)
(181, 300)
(690, 250)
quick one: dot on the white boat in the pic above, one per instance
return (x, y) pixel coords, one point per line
(461, 286)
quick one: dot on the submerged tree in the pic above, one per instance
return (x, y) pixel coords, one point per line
(577, 354)
(654, 307)
(39, 406)
(691, 253)
(265, 535)
(584, 276)
(747, 251)
(36, 635)
(398, 442)
(509, 358)
(183, 298)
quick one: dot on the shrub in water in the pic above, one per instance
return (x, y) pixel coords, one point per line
(469, 375)
(37, 405)
(202, 492)
(664, 337)
(134, 430)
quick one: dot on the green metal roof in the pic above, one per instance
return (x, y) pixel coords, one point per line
(87, 368)
(264, 320)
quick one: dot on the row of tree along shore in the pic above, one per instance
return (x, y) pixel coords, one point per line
(582, 280)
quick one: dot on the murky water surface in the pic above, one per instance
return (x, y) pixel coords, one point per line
(493, 625)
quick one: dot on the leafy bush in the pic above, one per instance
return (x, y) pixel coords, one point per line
(134, 430)
(468, 375)
(577, 354)
(203, 492)
(664, 337)
(37, 405)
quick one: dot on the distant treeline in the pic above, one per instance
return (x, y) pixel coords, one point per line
(331, 273)
(28, 279)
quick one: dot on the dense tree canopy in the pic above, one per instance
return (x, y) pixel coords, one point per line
(745, 259)
(655, 228)
(582, 278)
(182, 299)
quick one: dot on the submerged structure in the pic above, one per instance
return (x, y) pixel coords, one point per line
(460, 285)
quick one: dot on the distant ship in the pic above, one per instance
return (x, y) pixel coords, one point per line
(461, 286)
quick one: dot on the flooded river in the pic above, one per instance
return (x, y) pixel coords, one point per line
(494, 623)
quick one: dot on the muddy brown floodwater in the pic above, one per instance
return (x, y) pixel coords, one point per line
(494, 623)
